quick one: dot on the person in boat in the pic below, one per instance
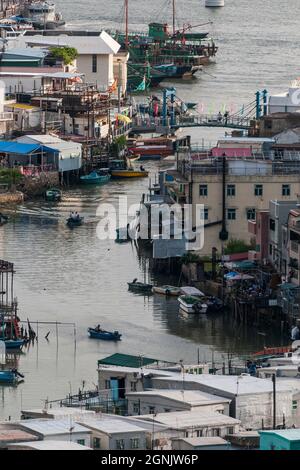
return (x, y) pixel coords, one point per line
(98, 328)
(220, 116)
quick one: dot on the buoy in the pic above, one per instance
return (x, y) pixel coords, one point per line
(214, 3)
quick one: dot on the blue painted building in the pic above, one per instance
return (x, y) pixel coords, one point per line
(285, 439)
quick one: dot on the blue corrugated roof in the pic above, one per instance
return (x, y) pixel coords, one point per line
(21, 149)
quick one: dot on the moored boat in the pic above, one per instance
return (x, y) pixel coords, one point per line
(169, 291)
(188, 304)
(96, 333)
(10, 377)
(142, 287)
(53, 194)
(14, 344)
(129, 174)
(96, 177)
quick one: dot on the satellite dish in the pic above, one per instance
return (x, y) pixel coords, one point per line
(2, 352)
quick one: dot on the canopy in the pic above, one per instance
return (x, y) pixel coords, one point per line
(192, 291)
(122, 117)
(19, 148)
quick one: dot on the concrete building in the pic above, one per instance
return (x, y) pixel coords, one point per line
(251, 397)
(163, 401)
(116, 434)
(293, 241)
(231, 192)
(95, 54)
(285, 439)
(196, 423)
(57, 430)
(200, 443)
(272, 124)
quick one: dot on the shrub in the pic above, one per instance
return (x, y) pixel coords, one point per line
(235, 246)
(10, 176)
(66, 54)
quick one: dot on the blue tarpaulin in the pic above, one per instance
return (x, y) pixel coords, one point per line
(18, 148)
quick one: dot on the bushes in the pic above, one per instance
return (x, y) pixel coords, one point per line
(235, 246)
(66, 54)
(190, 257)
(10, 176)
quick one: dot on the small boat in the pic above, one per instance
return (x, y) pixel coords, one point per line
(75, 222)
(150, 157)
(3, 219)
(129, 174)
(142, 287)
(14, 344)
(53, 194)
(187, 304)
(10, 377)
(104, 335)
(96, 177)
(167, 290)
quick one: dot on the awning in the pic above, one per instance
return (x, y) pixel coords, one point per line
(125, 360)
(19, 148)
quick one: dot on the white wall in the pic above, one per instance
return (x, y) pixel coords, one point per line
(84, 436)
(104, 76)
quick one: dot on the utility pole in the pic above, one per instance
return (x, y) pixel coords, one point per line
(274, 400)
(174, 18)
(126, 25)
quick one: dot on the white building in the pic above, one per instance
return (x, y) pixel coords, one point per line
(200, 443)
(287, 102)
(95, 54)
(56, 430)
(164, 401)
(69, 153)
(251, 397)
(116, 434)
(197, 423)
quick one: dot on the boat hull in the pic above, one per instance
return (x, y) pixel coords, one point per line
(190, 307)
(8, 377)
(75, 223)
(129, 174)
(95, 179)
(168, 291)
(14, 344)
(104, 335)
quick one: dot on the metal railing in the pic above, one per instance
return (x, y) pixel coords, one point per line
(6, 116)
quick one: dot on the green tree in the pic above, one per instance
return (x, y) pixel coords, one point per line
(235, 246)
(66, 54)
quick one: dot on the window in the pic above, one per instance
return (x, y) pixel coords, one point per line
(135, 443)
(286, 190)
(251, 214)
(97, 443)
(231, 190)
(216, 432)
(120, 444)
(186, 435)
(94, 63)
(230, 431)
(205, 214)
(203, 190)
(107, 384)
(231, 214)
(272, 225)
(136, 408)
(199, 433)
(295, 405)
(270, 250)
(81, 442)
(167, 410)
(133, 386)
(151, 410)
(258, 190)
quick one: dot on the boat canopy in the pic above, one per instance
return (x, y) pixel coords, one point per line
(192, 291)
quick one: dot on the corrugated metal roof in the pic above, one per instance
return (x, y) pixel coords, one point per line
(288, 434)
(112, 426)
(51, 445)
(125, 360)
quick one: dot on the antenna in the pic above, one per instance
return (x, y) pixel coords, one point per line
(126, 25)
